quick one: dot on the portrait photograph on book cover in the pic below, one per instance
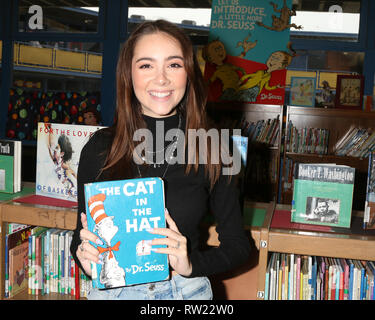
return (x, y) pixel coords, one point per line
(322, 209)
(120, 213)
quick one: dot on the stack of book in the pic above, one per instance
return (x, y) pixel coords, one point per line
(306, 140)
(262, 131)
(301, 277)
(38, 259)
(356, 142)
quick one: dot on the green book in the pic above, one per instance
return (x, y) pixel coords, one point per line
(10, 166)
(323, 194)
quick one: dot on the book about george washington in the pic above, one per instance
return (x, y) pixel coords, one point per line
(323, 194)
(10, 166)
(120, 213)
(58, 150)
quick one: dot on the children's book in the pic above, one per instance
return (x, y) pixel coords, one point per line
(120, 213)
(248, 51)
(16, 268)
(58, 150)
(323, 194)
(10, 166)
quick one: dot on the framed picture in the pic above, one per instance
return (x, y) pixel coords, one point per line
(349, 91)
(302, 91)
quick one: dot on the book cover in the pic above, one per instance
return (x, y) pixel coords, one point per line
(248, 52)
(323, 194)
(120, 212)
(18, 268)
(369, 212)
(58, 150)
(10, 166)
(13, 240)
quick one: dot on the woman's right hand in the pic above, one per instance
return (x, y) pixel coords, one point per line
(87, 253)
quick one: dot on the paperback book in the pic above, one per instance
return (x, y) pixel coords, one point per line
(120, 213)
(323, 194)
(58, 151)
(10, 166)
(16, 267)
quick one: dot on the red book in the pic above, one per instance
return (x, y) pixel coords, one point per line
(76, 278)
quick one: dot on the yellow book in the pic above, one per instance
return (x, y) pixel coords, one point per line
(286, 278)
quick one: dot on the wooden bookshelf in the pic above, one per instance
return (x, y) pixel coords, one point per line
(258, 231)
(266, 184)
(337, 121)
(35, 215)
(352, 243)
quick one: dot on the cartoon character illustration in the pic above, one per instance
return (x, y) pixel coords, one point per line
(61, 153)
(251, 85)
(281, 23)
(214, 52)
(246, 45)
(111, 274)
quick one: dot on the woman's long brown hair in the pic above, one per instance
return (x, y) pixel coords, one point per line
(128, 117)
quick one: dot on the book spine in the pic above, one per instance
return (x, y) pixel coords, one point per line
(298, 277)
(37, 266)
(33, 265)
(291, 278)
(6, 266)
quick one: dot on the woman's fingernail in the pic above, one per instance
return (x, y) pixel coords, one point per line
(150, 230)
(166, 211)
(99, 242)
(154, 249)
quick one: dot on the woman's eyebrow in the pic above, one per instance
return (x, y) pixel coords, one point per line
(152, 59)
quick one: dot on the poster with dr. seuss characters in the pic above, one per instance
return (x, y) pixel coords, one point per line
(248, 50)
(58, 150)
(120, 213)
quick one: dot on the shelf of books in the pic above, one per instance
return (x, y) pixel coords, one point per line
(35, 258)
(318, 262)
(261, 124)
(319, 135)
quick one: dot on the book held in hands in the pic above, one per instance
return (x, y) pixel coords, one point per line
(323, 194)
(120, 213)
(58, 150)
(10, 166)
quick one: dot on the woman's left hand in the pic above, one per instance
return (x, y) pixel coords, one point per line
(176, 246)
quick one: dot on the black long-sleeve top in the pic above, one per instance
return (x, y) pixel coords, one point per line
(188, 199)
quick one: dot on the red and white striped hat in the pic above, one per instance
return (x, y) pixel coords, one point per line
(96, 207)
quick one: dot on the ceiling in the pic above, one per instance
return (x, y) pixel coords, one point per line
(171, 3)
(131, 3)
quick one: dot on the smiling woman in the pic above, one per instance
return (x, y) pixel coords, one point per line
(165, 87)
(159, 75)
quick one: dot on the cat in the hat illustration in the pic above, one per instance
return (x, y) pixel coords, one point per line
(111, 274)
